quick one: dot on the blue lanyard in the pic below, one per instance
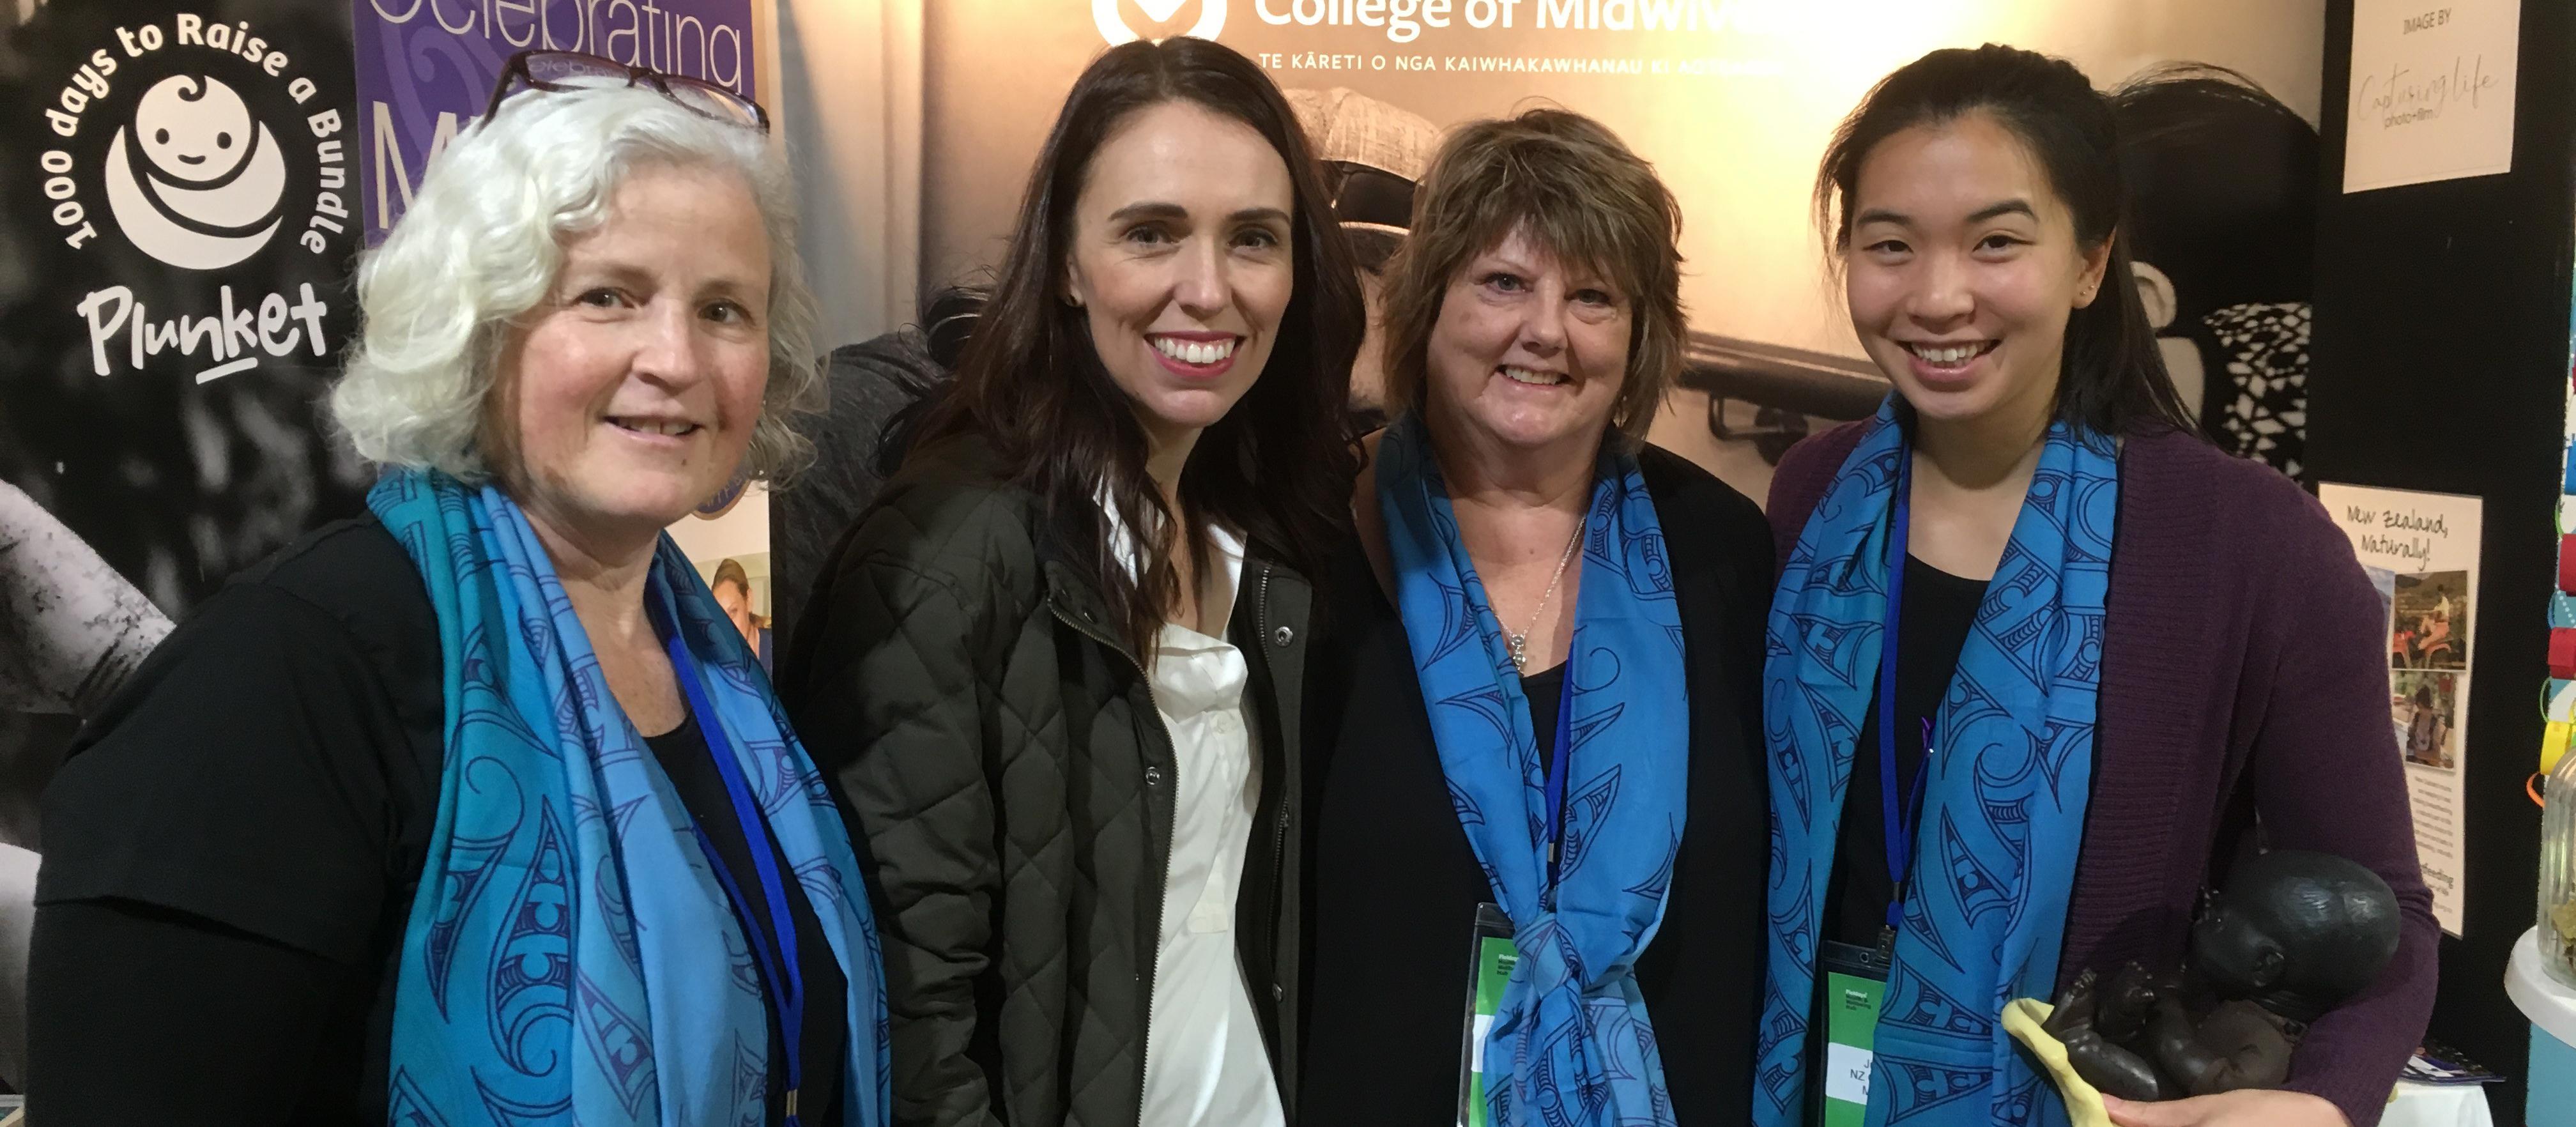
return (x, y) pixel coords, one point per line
(779, 967)
(1556, 777)
(1900, 822)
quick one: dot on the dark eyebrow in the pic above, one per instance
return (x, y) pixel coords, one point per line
(1990, 211)
(1999, 210)
(1149, 210)
(1155, 210)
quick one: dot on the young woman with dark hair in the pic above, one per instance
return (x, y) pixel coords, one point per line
(2039, 652)
(1054, 672)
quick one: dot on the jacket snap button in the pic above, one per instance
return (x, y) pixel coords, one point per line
(1282, 636)
(1153, 776)
(1278, 993)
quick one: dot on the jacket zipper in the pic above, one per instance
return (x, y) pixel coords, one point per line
(1144, 1052)
(1279, 833)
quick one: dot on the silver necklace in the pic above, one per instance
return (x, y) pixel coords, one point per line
(1520, 641)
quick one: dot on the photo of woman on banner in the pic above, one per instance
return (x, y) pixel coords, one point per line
(732, 588)
(1056, 671)
(2020, 637)
(477, 805)
(1535, 702)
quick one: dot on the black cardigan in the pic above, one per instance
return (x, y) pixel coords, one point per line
(1395, 884)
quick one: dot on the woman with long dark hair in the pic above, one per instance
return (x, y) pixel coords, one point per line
(1055, 670)
(2099, 647)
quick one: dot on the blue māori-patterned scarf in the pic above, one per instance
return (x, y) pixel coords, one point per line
(1571, 1031)
(2003, 809)
(570, 956)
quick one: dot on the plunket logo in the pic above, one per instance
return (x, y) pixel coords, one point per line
(201, 182)
(171, 128)
(1115, 29)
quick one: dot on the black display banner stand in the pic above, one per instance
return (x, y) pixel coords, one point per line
(2441, 364)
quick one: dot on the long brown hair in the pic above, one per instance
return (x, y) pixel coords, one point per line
(1278, 466)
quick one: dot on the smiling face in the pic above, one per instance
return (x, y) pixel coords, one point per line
(1528, 352)
(1181, 263)
(1962, 269)
(629, 395)
(193, 129)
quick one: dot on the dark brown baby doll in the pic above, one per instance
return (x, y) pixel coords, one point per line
(2292, 936)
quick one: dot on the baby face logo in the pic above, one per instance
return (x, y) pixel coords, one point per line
(195, 180)
(1114, 27)
(201, 147)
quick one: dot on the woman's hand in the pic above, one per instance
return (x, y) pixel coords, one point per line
(2248, 1108)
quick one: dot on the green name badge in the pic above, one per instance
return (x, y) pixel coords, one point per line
(1854, 983)
(1488, 971)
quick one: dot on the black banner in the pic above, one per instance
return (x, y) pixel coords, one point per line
(177, 189)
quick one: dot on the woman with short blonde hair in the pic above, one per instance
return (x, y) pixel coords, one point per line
(1534, 700)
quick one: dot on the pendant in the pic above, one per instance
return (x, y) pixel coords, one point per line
(1520, 653)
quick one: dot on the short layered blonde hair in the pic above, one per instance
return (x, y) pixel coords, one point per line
(483, 242)
(1574, 189)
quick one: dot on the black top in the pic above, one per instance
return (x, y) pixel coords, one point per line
(233, 849)
(1939, 608)
(1546, 693)
(1396, 885)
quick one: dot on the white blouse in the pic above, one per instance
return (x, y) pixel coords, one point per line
(1205, 1064)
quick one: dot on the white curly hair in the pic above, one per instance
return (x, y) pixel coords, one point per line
(482, 244)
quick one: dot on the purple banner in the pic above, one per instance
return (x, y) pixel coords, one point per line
(426, 67)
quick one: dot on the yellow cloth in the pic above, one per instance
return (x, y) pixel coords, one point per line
(2024, 1019)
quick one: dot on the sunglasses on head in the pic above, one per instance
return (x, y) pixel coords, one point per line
(573, 70)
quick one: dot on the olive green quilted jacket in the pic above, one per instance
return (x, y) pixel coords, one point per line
(1010, 785)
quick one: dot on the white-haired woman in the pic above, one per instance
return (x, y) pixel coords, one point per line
(477, 809)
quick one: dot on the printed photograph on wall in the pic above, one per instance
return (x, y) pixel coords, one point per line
(2431, 626)
(2425, 709)
(2421, 553)
(742, 587)
(728, 540)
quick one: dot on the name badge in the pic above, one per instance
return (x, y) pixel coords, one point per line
(1489, 968)
(1854, 981)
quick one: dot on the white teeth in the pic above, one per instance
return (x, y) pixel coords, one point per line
(1198, 352)
(667, 428)
(1950, 354)
(1525, 375)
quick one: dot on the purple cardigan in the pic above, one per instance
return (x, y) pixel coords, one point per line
(2243, 643)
